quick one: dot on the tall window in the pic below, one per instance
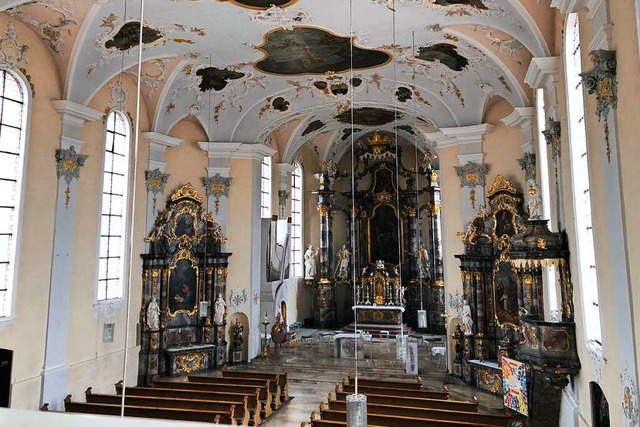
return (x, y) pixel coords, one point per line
(13, 115)
(115, 180)
(580, 181)
(296, 221)
(265, 190)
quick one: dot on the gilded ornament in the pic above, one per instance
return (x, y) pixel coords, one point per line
(541, 243)
(187, 363)
(383, 197)
(323, 209)
(217, 186)
(68, 165)
(490, 380)
(187, 191)
(500, 183)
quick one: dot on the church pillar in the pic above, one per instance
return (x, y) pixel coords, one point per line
(601, 81)
(156, 179)
(472, 170)
(244, 231)
(55, 369)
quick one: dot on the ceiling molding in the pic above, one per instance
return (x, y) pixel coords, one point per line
(570, 6)
(236, 150)
(160, 141)
(602, 39)
(520, 116)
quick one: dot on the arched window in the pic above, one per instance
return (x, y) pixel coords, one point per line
(265, 189)
(13, 117)
(115, 186)
(296, 221)
(580, 181)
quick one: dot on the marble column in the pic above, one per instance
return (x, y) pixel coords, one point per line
(55, 369)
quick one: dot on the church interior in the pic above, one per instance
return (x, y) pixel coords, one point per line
(206, 194)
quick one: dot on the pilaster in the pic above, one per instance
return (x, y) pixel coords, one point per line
(284, 189)
(523, 118)
(544, 73)
(55, 370)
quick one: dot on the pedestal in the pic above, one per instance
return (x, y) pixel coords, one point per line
(325, 315)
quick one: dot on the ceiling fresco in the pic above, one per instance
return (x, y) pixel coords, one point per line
(310, 50)
(260, 4)
(265, 64)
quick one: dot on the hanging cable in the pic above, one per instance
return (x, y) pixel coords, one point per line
(353, 193)
(419, 254)
(395, 134)
(133, 211)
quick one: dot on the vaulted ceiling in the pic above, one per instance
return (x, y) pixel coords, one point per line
(247, 68)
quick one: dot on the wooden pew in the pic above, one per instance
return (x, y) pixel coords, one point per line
(241, 413)
(414, 412)
(395, 384)
(452, 405)
(253, 401)
(397, 421)
(151, 412)
(426, 394)
(281, 378)
(264, 394)
(274, 387)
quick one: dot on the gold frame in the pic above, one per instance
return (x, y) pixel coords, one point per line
(369, 218)
(184, 254)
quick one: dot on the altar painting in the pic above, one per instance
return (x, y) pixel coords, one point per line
(183, 288)
(514, 383)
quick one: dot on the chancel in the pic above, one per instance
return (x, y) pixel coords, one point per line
(415, 212)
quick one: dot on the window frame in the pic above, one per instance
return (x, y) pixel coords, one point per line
(266, 176)
(126, 206)
(21, 175)
(581, 177)
(296, 260)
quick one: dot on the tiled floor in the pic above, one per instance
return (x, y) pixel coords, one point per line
(313, 372)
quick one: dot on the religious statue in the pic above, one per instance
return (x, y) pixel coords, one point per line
(220, 310)
(310, 262)
(153, 314)
(423, 260)
(534, 205)
(342, 269)
(467, 320)
(458, 337)
(238, 329)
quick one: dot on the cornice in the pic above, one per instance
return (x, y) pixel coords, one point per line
(543, 72)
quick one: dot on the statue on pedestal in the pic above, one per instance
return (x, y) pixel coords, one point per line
(153, 314)
(238, 329)
(310, 262)
(220, 310)
(467, 320)
(534, 205)
(423, 263)
(342, 269)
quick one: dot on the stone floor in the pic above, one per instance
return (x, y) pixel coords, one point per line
(313, 372)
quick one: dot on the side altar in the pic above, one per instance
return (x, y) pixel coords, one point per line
(182, 315)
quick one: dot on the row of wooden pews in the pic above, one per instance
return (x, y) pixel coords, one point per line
(237, 398)
(403, 404)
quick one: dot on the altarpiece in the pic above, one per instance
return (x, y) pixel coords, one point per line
(183, 273)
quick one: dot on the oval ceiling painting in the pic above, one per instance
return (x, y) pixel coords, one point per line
(369, 116)
(260, 4)
(311, 50)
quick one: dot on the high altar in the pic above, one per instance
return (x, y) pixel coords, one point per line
(393, 218)
(183, 274)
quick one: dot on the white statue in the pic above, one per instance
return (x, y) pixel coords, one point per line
(535, 201)
(467, 320)
(310, 262)
(342, 269)
(423, 260)
(153, 314)
(219, 310)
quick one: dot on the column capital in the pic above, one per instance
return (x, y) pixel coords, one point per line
(543, 72)
(73, 117)
(236, 150)
(285, 168)
(569, 6)
(462, 135)
(523, 118)
(158, 143)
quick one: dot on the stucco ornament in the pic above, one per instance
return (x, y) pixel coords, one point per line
(68, 165)
(601, 80)
(552, 134)
(278, 17)
(456, 305)
(217, 186)
(629, 397)
(238, 299)
(472, 175)
(156, 182)
(528, 165)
